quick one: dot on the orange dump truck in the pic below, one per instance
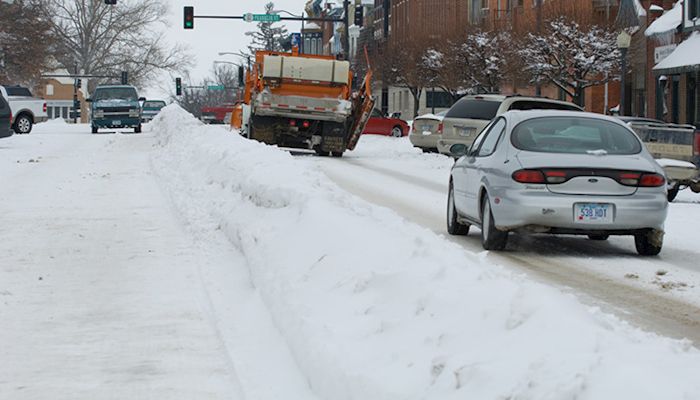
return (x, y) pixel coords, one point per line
(303, 101)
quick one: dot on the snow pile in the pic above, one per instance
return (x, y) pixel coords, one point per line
(667, 22)
(373, 307)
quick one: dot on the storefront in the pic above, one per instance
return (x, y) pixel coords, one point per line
(677, 77)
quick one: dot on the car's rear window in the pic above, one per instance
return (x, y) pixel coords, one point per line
(474, 109)
(542, 105)
(154, 104)
(115, 94)
(574, 135)
(18, 91)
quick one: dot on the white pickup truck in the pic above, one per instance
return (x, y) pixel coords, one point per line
(26, 109)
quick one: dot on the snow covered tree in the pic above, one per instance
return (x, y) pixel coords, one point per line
(25, 40)
(107, 39)
(571, 57)
(268, 37)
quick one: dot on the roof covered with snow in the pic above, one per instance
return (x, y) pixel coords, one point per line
(667, 22)
(686, 57)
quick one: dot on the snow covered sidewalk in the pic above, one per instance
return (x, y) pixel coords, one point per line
(99, 292)
(373, 307)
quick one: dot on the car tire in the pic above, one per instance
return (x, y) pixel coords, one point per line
(649, 243)
(321, 153)
(491, 238)
(396, 132)
(336, 154)
(673, 192)
(598, 237)
(94, 129)
(454, 227)
(137, 129)
(23, 124)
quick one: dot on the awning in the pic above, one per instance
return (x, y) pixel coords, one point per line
(685, 58)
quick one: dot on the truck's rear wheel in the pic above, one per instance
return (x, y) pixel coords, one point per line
(23, 124)
(673, 192)
(336, 153)
(320, 152)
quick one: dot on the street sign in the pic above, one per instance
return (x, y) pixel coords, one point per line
(215, 87)
(261, 17)
(296, 39)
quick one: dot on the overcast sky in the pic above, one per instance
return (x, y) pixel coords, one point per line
(209, 37)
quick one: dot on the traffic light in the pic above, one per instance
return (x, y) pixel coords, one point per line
(241, 76)
(189, 17)
(125, 78)
(78, 83)
(359, 15)
(111, 2)
(178, 87)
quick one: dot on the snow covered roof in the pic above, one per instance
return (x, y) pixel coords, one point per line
(640, 8)
(686, 57)
(667, 22)
(311, 26)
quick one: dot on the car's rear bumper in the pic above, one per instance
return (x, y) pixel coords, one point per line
(418, 139)
(444, 143)
(543, 211)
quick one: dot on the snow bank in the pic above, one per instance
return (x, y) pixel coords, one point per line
(373, 307)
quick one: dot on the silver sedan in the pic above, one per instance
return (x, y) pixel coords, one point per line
(557, 172)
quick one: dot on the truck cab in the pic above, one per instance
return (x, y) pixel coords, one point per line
(115, 106)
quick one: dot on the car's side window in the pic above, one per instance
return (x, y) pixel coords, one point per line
(479, 138)
(488, 145)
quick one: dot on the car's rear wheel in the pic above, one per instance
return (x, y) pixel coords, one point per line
(396, 131)
(137, 129)
(94, 129)
(454, 227)
(491, 238)
(23, 124)
(598, 237)
(649, 243)
(336, 153)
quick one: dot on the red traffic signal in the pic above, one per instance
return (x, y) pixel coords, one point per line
(189, 17)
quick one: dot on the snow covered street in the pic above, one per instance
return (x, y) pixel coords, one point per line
(190, 263)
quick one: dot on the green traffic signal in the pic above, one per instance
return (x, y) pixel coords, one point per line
(189, 17)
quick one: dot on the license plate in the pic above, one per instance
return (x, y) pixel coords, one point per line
(116, 122)
(593, 213)
(466, 131)
(425, 127)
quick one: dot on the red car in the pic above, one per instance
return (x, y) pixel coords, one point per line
(217, 114)
(380, 124)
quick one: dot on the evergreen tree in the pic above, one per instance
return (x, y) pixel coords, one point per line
(268, 37)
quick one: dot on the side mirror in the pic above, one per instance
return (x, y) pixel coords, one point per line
(142, 99)
(89, 99)
(458, 150)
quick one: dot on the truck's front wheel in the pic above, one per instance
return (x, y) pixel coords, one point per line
(23, 124)
(94, 129)
(336, 153)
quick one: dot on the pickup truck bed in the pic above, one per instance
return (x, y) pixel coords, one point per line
(26, 110)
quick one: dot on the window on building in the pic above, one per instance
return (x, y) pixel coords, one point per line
(49, 112)
(693, 9)
(438, 99)
(65, 112)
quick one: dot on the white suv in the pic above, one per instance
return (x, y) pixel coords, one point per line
(470, 114)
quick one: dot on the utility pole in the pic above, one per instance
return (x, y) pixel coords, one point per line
(538, 11)
(346, 34)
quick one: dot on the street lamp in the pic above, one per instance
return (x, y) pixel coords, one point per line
(233, 53)
(624, 40)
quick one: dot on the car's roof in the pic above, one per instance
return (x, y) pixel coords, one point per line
(517, 116)
(114, 87)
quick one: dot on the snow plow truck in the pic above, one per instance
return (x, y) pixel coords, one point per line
(303, 101)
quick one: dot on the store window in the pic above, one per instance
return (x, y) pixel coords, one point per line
(438, 99)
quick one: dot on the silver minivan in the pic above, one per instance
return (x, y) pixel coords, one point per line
(471, 114)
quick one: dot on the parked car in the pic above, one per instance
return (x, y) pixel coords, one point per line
(557, 172)
(468, 116)
(150, 109)
(217, 114)
(381, 124)
(675, 147)
(26, 109)
(426, 130)
(115, 106)
(5, 118)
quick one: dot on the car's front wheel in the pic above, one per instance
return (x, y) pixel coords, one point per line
(397, 131)
(94, 129)
(137, 129)
(649, 243)
(454, 227)
(491, 238)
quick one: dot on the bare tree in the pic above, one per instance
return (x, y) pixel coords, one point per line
(404, 66)
(196, 96)
(24, 42)
(571, 57)
(105, 39)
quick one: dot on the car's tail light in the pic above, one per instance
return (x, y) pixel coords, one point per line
(554, 176)
(528, 176)
(652, 180)
(44, 107)
(292, 122)
(629, 178)
(306, 124)
(440, 128)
